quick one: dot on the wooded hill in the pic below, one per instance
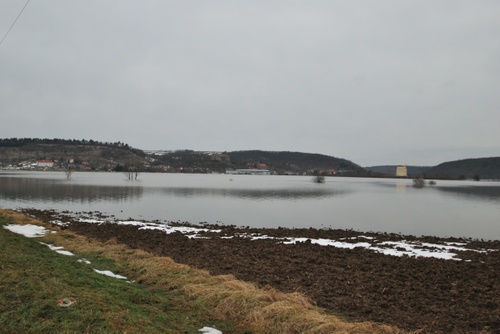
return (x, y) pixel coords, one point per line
(482, 168)
(88, 154)
(295, 161)
(276, 162)
(94, 155)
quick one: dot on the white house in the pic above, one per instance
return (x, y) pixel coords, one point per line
(248, 171)
(45, 163)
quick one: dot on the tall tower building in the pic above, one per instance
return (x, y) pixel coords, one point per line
(401, 171)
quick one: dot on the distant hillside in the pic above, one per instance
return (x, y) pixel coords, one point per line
(295, 161)
(390, 170)
(94, 155)
(84, 154)
(482, 168)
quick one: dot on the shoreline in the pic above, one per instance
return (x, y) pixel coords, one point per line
(225, 230)
(431, 294)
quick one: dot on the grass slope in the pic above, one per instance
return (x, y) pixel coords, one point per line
(33, 278)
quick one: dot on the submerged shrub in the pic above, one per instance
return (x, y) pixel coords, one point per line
(418, 182)
(319, 179)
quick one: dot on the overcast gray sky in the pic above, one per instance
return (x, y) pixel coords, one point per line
(375, 82)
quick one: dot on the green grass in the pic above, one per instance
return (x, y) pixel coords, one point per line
(33, 278)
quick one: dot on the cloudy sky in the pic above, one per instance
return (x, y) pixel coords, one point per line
(376, 82)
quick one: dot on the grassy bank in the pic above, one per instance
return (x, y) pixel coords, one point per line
(33, 278)
(166, 297)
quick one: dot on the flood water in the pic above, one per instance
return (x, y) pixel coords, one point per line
(449, 208)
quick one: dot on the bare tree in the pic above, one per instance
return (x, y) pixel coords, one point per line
(131, 172)
(68, 171)
(319, 178)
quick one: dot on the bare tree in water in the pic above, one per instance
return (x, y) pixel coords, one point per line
(318, 177)
(131, 172)
(68, 171)
(418, 182)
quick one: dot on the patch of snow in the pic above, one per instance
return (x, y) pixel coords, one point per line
(172, 229)
(58, 249)
(261, 237)
(196, 236)
(359, 236)
(30, 231)
(110, 274)
(82, 260)
(209, 330)
(131, 222)
(456, 243)
(59, 223)
(329, 242)
(412, 251)
(155, 226)
(63, 252)
(91, 221)
(394, 249)
(447, 247)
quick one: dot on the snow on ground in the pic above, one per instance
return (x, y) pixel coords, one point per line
(110, 274)
(83, 260)
(209, 330)
(153, 226)
(58, 249)
(329, 242)
(30, 231)
(59, 223)
(395, 249)
(392, 248)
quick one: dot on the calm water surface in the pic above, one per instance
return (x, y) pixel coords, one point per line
(450, 208)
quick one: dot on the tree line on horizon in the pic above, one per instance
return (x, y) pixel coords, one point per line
(19, 142)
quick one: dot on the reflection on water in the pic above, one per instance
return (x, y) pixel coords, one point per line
(491, 194)
(42, 190)
(485, 192)
(50, 190)
(451, 208)
(253, 194)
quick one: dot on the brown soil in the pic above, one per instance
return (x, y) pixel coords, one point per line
(432, 295)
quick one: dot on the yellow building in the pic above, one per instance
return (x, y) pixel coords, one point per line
(401, 171)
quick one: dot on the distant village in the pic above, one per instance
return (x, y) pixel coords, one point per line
(155, 161)
(250, 168)
(46, 164)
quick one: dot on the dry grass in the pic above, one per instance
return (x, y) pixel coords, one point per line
(261, 310)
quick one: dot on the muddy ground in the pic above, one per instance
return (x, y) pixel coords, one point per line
(428, 294)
